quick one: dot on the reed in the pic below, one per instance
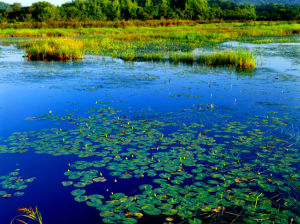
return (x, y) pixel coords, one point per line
(28, 213)
(214, 32)
(240, 59)
(54, 49)
(62, 49)
(141, 43)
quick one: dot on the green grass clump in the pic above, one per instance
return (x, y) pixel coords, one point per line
(55, 49)
(240, 59)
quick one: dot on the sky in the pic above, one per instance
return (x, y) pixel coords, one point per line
(29, 2)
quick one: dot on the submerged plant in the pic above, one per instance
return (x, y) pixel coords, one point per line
(30, 213)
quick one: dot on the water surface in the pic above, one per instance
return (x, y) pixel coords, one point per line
(142, 91)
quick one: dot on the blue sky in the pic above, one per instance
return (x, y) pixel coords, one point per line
(29, 2)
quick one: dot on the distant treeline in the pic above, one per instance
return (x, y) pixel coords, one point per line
(109, 10)
(257, 2)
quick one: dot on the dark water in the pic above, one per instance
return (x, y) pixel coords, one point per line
(142, 91)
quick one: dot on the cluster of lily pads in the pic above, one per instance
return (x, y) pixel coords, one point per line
(136, 169)
(13, 184)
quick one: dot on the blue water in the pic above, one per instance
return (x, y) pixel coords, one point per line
(146, 90)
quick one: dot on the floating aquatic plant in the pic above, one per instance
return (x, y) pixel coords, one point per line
(229, 172)
(14, 184)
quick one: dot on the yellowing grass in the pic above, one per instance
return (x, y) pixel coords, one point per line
(58, 49)
(151, 44)
(62, 49)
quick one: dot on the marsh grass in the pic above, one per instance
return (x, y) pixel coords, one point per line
(240, 59)
(151, 43)
(61, 49)
(210, 32)
(64, 49)
(273, 40)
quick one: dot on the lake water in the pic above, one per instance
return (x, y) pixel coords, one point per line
(142, 113)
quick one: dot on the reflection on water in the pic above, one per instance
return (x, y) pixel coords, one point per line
(278, 58)
(149, 91)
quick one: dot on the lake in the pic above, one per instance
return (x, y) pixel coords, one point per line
(151, 142)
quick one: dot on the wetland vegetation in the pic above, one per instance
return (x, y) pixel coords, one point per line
(213, 162)
(149, 112)
(173, 44)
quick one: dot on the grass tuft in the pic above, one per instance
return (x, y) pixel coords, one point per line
(240, 59)
(54, 49)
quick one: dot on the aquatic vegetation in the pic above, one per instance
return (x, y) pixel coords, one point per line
(241, 59)
(66, 49)
(149, 44)
(157, 29)
(14, 184)
(29, 213)
(60, 49)
(209, 160)
(235, 172)
(271, 40)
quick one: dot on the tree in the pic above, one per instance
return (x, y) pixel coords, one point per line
(128, 9)
(196, 9)
(4, 6)
(150, 10)
(78, 10)
(163, 8)
(113, 10)
(17, 7)
(2, 19)
(95, 11)
(44, 12)
(69, 11)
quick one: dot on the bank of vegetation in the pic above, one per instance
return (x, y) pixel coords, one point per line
(151, 30)
(172, 44)
(111, 10)
(64, 49)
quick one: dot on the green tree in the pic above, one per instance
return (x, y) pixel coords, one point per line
(44, 11)
(196, 9)
(95, 11)
(4, 6)
(2, 19)
(163, 8)
(150, 10)
(114, 11)
(69, 11)
(128, 9)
